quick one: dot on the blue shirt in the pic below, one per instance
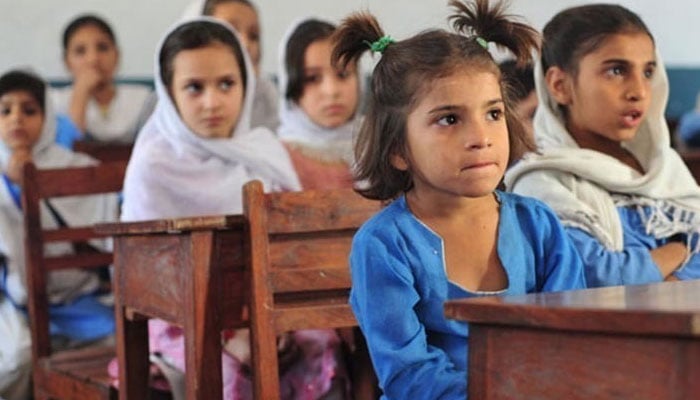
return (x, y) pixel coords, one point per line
(400, 286)
(631, 266)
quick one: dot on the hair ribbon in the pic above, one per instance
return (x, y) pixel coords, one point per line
(378, 46)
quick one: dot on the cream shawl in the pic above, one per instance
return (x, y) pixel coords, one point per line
(175, 173)
(584, 187)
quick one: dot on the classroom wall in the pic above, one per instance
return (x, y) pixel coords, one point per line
(31, 29)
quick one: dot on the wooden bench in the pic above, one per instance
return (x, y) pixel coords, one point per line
(104, 152)
(68, 374)
(299, 249)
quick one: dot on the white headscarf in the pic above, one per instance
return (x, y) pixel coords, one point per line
(175, 173)
(75, 211)
(584, 186)
(295, 125)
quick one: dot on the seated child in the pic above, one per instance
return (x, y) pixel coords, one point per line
(437, 137)
(319, 109)
(605, 163)
(102, 109)
(193, 157)
(27, 134)
(522, 83)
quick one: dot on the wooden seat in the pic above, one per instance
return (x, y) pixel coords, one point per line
(299, 248)
(68, 374)
(104, 152)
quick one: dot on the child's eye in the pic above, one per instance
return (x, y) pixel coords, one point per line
(193, 88)
(30, 110)
(649, 72)
(344, 74)
(103, 47)
(227, 84)
(447, 120)
(5, 110)
(254, 36)
(312, 78)
(616, 70)
(494, 115)
(79, 50)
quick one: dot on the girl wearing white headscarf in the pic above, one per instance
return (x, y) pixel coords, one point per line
(28, 130)
(605, 164)
(187, 161)
(318, 107)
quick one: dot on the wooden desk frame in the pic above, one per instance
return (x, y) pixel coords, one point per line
(189, 272)
(636, 342)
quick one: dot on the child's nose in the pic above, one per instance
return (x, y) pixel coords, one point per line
(476, 137)
(638, 88)
(212, 99)
(331, 86)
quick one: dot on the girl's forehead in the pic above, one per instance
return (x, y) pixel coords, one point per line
(18, 95)
(625, 45)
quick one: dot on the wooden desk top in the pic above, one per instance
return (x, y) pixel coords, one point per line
(669, 308)
(171, 225)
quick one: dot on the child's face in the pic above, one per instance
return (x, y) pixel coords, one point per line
(525, 109)
(609, 98)
(330, 95)
(245, 20)
(457, 138)
(21, 120)
(91, 48)
(207, 89)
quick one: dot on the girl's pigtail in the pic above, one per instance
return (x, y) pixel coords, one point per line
(354, 36)
(491, 24)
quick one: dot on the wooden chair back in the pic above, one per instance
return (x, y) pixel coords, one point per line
(69, 374)
(300, 276)
(105, 152)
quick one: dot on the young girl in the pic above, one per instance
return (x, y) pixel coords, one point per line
(27, 133)
(243, 16)
(606, 165)
(319, 107)
(193, 157)
(439, 133)
(103, 110)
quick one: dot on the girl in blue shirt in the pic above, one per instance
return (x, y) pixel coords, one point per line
(605, 162)
(439, 134)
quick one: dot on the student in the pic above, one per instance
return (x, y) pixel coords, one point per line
(27, 133)
(606, 166)
(102, 109)
(522, 83)
(319, 109)
(438, 135)
(193, 157)
(243, 16)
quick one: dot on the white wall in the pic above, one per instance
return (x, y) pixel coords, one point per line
(30, 30)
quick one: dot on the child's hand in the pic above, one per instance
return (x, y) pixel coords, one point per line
(19, 157)
(86, 80)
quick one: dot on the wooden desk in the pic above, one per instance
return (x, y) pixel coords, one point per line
(635, 342)
(189, 272)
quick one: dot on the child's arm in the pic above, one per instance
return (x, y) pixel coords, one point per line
(384, 298)
(85, 82)
(602, 267)
(564, 269)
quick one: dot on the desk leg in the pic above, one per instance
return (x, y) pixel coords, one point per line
(132, 355)
(202, 323)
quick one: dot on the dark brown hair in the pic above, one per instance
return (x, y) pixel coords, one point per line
(577, 31)
(17, 80)
(306, 33)
(87, 20)
(405, 71)
(195, 35)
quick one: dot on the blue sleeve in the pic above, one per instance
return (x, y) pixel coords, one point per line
(563, 267)
(66, 132)
(603, 267)
(384, 299)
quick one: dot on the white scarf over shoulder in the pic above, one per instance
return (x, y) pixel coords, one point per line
(75, 211)
(175, 173)
(295, 125)
(584, 187)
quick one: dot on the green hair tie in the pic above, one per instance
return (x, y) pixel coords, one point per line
(482, 42)
(381, 44)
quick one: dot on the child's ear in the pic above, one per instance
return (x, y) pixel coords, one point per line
(399, 162)
(559, 85)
